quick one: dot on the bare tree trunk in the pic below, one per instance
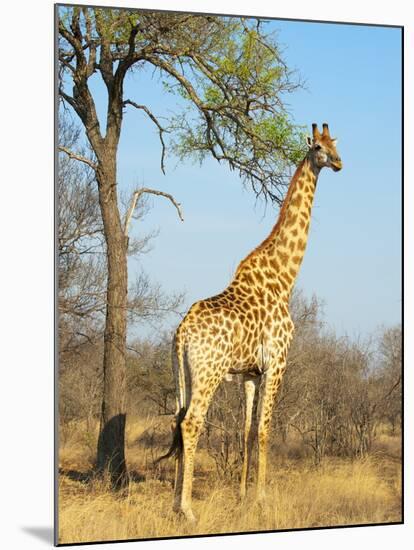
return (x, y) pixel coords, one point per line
(111, 442)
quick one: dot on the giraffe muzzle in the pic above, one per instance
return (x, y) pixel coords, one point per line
(336, 165)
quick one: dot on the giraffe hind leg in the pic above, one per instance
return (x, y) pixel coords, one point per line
(251, 391)
(183, 389)
(191, 426)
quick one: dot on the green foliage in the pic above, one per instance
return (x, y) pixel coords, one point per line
(114, 24)
(213, 96)
(278, 132)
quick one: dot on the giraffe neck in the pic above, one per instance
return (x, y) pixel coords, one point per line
(275, 263)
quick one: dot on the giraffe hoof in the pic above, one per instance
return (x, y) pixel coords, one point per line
(186, 515)
(190, 517)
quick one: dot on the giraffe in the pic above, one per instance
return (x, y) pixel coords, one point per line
(246, 330)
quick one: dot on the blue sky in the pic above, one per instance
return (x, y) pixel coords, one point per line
(353, 258)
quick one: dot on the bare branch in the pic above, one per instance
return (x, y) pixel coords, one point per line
(135, 197)
(161, 130)
(389, 392)
(69, 99)
(75, 156)
(69, 37)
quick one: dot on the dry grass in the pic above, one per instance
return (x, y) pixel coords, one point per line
(341, 492)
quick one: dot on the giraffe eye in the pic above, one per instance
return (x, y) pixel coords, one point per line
(318, 147)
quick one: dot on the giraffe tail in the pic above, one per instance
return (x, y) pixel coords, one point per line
(178, 360)
(177, 441)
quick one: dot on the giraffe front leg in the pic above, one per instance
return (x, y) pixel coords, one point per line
(250, 393)
(271, 384)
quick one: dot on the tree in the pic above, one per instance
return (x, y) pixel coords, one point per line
(231, 76)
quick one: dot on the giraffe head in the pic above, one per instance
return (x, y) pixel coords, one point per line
(322, 149)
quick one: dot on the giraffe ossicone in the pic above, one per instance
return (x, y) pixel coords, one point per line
(246, 330)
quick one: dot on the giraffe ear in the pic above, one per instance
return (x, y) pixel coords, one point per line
(309, 141)
(334, 142)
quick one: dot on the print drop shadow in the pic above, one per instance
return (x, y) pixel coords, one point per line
(44, 534)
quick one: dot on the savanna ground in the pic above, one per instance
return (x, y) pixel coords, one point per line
(339, 491)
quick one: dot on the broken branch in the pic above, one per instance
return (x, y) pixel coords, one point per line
(135, 197)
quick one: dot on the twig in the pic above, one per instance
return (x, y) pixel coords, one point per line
(75, 156)
(161, 130)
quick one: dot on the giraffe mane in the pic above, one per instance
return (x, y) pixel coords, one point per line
(280, 220)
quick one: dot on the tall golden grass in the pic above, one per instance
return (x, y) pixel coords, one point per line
(340, 492)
